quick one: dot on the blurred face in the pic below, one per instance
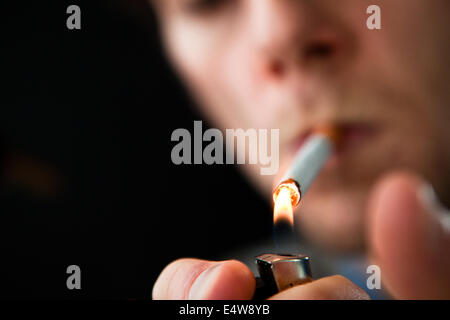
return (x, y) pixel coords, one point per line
(294, 64)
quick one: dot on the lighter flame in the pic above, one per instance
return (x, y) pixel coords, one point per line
(283, 206)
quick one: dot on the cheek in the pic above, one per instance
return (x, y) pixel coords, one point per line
(222, 75)
(193, 49)
(242, 88)
(203, 56)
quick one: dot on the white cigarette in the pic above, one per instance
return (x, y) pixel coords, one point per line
(307, 164)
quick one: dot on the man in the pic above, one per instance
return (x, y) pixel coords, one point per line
(297, 64)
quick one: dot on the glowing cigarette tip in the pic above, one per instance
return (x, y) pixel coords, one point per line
(305, 167)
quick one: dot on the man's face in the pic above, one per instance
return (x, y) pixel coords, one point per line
(295, 64)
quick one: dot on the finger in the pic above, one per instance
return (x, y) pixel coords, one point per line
(204, 280)
(328, 288)
(408, 239)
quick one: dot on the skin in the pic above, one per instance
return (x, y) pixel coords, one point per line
(294, 65)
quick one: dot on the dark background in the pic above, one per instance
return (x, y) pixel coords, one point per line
(86, 176)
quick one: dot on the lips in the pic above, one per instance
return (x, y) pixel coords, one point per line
(352, 135)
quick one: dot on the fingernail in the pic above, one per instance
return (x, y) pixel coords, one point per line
(200, 287)
(430, 201)
(440, 215)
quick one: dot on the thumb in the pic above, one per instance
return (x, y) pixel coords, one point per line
(409, 238)
(195, 279)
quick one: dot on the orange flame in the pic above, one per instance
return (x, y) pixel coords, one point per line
(283, 206)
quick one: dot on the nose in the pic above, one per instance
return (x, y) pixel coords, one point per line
(292, 34)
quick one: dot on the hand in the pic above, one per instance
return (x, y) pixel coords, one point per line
(206, 280)
(409, 238)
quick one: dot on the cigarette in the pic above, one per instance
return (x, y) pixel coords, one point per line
(307, 163)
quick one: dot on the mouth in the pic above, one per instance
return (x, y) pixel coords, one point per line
(352, 137)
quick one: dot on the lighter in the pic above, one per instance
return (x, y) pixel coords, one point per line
(278, 272)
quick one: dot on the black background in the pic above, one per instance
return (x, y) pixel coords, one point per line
(98, 106)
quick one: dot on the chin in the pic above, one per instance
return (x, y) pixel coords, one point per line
(333, 221)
